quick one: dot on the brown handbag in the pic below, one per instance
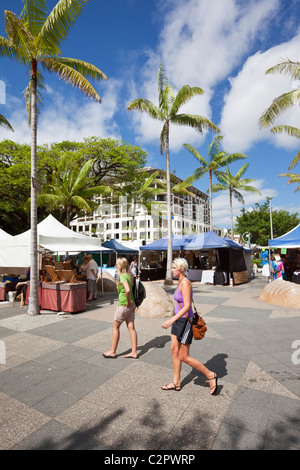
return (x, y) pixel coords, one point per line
(199, 327)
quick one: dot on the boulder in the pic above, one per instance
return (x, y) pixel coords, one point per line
(283, 293)
(157, 303)
(109, 284)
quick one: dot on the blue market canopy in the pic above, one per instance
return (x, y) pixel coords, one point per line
(290, 239)
(236, 246)
(207, 240)
(116, 246)
(179, 242)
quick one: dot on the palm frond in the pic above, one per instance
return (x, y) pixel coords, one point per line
(146, 106)
(72, 76)
(162, 85)
(278, 106)
(195, 121)
(10, 51)
(195, 153)
(289, 130)
(39, 98)
(34, 15)
(18, 34)
(183, 96)
(294, 178)
(232, 157)
(286, 67)
(4, 123)
(296, 159)
(163, 135)
(60, 20)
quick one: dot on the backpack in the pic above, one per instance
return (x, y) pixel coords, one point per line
(139, 291)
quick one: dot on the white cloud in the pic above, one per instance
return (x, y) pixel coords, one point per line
(65, 117)
(220, 203)
(201, 43)
(251, 93)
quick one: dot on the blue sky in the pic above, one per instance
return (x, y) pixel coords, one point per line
(222, 46)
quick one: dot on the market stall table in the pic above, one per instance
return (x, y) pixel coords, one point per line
(62, 296)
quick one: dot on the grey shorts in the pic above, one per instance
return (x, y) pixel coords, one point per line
(124, 313)
(91, 285)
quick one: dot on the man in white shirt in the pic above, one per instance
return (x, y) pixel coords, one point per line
(91, 268)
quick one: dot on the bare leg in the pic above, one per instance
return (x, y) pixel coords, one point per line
(184, 354)
(176, 364)
(115, 338)
(133, 339)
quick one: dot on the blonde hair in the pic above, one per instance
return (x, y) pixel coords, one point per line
(122, 267)
(181, 264)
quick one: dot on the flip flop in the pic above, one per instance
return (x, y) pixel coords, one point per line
(213, 390)
(131, 357)
(107, 356)
(176, 388)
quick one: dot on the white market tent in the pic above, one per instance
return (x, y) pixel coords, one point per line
(4, 234)
(52, 236)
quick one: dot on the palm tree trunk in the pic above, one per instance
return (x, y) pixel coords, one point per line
(33, 308)
(168, 279)
(210, 201)
(231, 213)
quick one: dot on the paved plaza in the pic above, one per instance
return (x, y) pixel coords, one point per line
(57, 391)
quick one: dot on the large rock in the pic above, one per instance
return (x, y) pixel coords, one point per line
(283, 293)
(157, 303)
(109, 284)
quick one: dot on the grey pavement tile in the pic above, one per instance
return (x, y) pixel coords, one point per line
(56, 436)
(236, 438)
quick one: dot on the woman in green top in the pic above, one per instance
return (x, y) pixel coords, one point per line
(125, 311)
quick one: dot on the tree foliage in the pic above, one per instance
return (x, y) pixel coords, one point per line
(111, 160)
(257, 222)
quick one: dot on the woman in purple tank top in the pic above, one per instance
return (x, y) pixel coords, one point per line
(181, 332)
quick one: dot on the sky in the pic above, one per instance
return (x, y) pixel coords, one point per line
(222, 46)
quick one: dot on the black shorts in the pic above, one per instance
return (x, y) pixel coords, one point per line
(182, 329)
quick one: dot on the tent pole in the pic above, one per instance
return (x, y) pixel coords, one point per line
(101, 273)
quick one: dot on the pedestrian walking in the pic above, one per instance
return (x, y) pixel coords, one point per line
(125, 311)
(181, 332)
(90, 267)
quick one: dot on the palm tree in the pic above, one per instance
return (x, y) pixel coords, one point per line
(167, 112)
(69, 189)
(286, 100)
(4, 123)
(34, 39)
(234, 184)
(216, 158)
(294, 178)
(282, 103)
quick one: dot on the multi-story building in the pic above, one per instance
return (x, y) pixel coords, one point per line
(190, 214)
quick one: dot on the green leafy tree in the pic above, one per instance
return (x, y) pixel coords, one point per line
(69, 190)
(167, 112)
(257, 223)
(216, 158)
(234, 185)
(34, 39)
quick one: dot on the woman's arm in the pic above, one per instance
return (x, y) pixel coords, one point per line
(127, 293)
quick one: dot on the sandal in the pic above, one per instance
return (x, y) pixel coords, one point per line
(176, 388)
(213, 390)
